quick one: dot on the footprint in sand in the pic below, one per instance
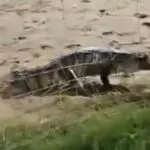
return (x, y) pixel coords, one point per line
(72, 46)
(46, 46)
(141, 15)
(146, 23)
(85, 1)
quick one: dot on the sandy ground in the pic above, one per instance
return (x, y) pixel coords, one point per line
(34, 31)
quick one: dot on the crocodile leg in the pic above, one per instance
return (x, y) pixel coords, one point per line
(107, 67)
(105, 80)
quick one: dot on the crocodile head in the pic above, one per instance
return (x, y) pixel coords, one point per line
(143, 61)
(131, 62)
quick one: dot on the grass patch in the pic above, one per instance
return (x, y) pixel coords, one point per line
(120, 132)
(109, 124)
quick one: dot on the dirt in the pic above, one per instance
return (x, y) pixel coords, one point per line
(33, 32)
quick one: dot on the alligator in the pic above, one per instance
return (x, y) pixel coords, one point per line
(69, 68)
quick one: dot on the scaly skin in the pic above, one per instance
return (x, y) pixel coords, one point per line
(88, 61)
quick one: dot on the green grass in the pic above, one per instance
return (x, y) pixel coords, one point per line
(125, 126)
(118, 133)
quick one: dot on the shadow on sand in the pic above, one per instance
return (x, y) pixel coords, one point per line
(91, 89)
